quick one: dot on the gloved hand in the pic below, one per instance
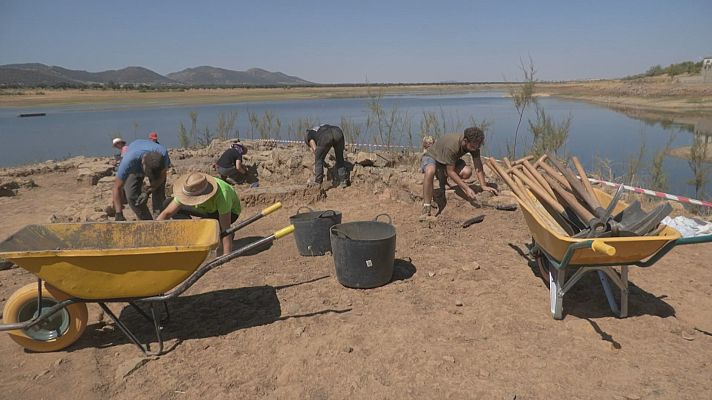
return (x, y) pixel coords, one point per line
(119, 217)
(141, 200)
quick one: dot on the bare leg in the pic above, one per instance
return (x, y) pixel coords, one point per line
(428, 184)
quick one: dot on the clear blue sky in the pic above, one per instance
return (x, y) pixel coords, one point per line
(359, 41)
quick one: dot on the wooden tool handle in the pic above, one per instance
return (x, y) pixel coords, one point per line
(540, 192)
(538, 177)
(552, 173)
(570, 201)
(584, 178)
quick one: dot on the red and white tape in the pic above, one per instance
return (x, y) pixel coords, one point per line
(348, 144)
(653, 193)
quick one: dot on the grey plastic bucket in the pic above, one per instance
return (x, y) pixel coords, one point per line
(364, 252)
(311, 230)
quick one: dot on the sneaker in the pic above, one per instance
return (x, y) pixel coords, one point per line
(426, 211)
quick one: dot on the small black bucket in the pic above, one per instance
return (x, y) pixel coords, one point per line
(311, 230)
(364, 252)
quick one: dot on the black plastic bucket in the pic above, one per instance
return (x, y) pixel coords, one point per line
(311, 230)
(364, 252)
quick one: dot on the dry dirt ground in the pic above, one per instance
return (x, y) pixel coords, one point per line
(661, 94)
(466, 316)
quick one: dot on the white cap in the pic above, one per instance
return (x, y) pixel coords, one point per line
(117, 140)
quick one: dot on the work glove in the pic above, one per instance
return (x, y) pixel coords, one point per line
(141, 200)
(119, 217)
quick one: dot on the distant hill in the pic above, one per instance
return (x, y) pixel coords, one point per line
(206, 75)
(35, 74)
(39, 74)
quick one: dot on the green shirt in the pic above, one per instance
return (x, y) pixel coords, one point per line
(447, 149)
(224, 201)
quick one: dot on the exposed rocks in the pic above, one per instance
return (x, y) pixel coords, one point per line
(10, 186)
(43, 168)
(4, 264)
(281, 169)
(90, 173)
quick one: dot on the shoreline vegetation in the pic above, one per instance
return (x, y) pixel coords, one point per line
(659, 94)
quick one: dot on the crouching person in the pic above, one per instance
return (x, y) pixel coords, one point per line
(230, 166)
(200, 195)
(443, 159)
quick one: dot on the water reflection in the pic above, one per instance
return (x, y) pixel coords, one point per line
(692, 148)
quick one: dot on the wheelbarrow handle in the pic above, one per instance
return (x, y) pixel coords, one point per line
(284, 232)
(599, 246)
(274, 207)
(269, 210)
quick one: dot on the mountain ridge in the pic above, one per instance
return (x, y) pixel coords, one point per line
(37, 74)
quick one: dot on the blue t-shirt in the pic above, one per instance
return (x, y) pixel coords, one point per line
(131, 161)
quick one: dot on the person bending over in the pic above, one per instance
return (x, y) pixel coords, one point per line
(143, 158)
(200, 195)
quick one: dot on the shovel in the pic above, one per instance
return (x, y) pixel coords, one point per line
(274, 207)
(651, 220)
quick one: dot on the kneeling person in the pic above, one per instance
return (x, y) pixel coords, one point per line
(444, 159)
(200, 195)
(230, 166)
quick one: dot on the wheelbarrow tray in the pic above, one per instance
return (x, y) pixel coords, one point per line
(555, 243)
(113, 260)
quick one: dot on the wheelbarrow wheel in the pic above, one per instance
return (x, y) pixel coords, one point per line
(56, 332)
(541, 261)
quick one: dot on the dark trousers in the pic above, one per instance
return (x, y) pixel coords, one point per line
(133, 187)
(185, 212)
(328, 138)
(231, 173)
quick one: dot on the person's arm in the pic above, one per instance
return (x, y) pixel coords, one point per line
(477, 161)
(450, 169)
(312, 145)
(116, 197)
(227, 240)
(171, 210)
(239, 167)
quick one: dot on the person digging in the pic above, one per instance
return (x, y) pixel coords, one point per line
(143, 158)
(443, 159)
(200, 195)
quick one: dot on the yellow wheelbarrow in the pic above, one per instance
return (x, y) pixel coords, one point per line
(556, 253)
(132, 262)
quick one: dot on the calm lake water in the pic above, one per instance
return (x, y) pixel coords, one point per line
(596, 132)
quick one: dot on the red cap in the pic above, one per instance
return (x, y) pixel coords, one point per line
(153, 136)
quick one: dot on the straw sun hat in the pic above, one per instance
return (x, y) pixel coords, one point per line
(194, 188)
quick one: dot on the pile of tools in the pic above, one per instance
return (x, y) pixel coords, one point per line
(558, 196)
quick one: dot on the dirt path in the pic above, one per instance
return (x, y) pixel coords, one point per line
(466, 317)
